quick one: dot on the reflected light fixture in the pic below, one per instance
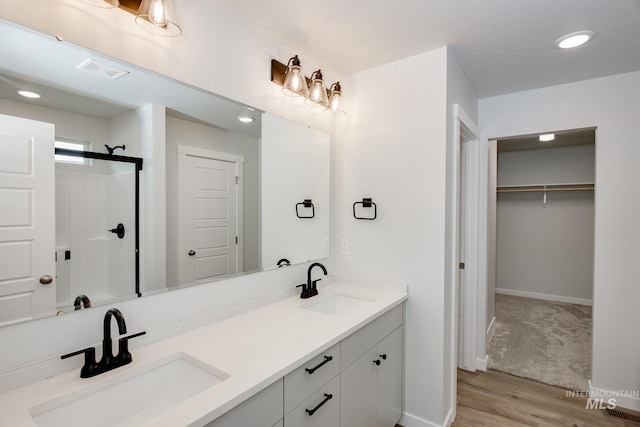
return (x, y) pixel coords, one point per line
(317, 92)
(245, 119)
(29, 94)
(154, 16)
(575, 39)
(295, 83)
(547, 137)
(158, 17)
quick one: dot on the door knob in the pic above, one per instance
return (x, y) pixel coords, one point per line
(46, 279)
(192, 252)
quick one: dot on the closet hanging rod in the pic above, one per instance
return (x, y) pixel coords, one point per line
(542, 189)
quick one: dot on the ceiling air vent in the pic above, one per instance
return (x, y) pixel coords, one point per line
(103, 70)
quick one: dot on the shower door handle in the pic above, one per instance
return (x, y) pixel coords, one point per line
(192, 252)
(46, 279)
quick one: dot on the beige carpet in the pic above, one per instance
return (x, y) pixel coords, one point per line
(545, 341)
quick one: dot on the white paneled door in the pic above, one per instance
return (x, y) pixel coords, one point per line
(27, 218)
(210, 200)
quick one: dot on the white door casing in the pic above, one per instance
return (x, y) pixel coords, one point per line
(210, 206)
(27, 219)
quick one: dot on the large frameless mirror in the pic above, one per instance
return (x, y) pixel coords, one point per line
(206, 211)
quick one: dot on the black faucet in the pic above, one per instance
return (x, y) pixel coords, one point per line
(309, 289)
(108, 361)
(82, 301)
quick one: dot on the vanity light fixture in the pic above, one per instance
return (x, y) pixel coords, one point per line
(547, 137)
(313, 90)
(29, 94)
(335, 99)
(575, 39)
(295, 83)
(317, 92)
(154, 16)
(158, 17)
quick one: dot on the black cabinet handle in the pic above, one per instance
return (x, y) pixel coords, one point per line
(327, 397)
(383, 356)
(377, 362)
(326, 360)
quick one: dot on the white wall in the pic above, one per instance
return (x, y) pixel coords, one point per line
(392, 147)
(546, 252)
(182, 132)
(611, 105)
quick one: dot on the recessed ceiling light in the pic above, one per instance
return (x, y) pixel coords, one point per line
(29, 94)
(246, 119)
(547, 137)
(575, 39)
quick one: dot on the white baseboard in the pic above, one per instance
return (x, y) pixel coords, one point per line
(481, 364)
(548, 297)
(490, 330)
(629, 399)
(410, 420)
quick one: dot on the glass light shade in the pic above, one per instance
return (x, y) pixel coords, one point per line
(317, 92)
(103, 4)
(158, 17)
(295, 83)
(335, 99)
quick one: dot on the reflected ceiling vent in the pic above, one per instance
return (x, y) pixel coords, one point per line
(103, 70)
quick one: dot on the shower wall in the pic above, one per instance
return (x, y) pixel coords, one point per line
(90, 259)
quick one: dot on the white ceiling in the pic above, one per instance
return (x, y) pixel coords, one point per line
(503, 46)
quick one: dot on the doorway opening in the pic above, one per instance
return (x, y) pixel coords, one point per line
(541, 257)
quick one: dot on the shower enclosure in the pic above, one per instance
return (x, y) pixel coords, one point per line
(97, 228)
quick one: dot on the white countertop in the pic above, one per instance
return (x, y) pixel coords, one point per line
(254, 348)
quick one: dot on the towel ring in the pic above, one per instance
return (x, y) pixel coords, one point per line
(366, 203)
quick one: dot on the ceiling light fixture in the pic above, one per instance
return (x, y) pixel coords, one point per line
(575, 39)
(547, 137)
(313, 90)
(245, 119)
(154, 16)
(29, 94)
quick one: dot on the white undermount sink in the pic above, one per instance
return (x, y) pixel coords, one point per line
(337, 304)
(133, 396)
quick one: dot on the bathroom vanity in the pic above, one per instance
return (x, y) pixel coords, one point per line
(334, 359)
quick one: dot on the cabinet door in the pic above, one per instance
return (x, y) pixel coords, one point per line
(389, 384)
(358, 392)
(262, 410)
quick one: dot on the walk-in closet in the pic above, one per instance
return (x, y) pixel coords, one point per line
(544, 242)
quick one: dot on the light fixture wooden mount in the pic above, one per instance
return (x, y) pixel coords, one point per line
(130, 6)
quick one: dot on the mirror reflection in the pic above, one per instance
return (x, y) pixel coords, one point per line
(202, 200)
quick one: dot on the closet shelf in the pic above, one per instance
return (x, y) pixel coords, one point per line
(539, 188)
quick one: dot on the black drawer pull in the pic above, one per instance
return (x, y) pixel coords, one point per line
(327, 397)
(312, 370)
(383, 356)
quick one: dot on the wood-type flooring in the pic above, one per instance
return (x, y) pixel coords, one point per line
(496, 399)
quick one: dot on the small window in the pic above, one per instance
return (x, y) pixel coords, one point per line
(72, 145)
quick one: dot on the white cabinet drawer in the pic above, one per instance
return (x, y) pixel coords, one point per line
(358, 343)
(322, 409)
(263, 409)
(308, 378)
